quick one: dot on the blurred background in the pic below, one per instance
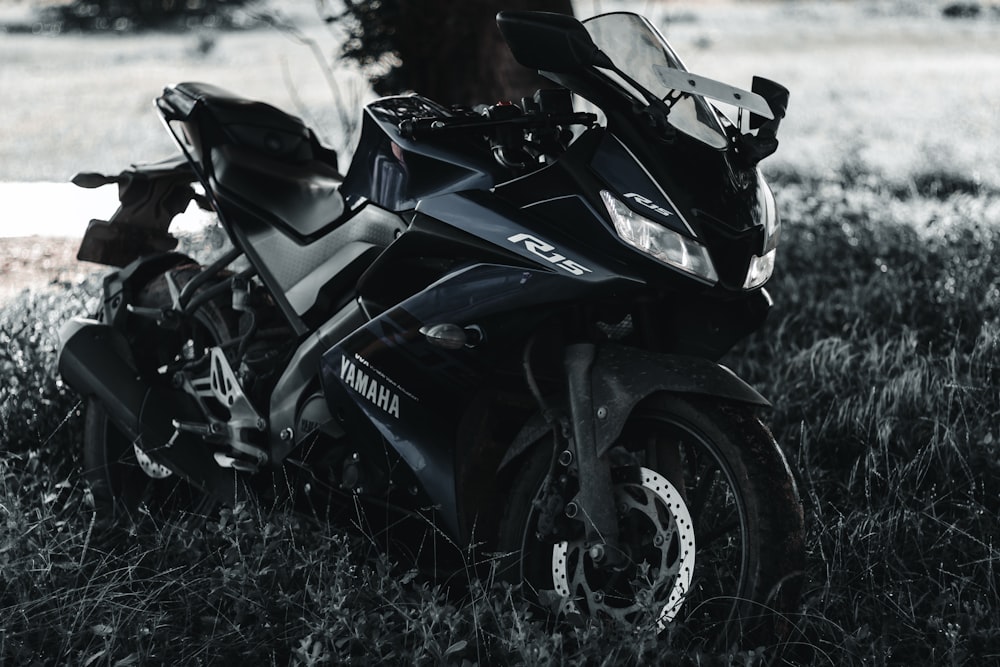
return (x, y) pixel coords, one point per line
(902, 86)
(905, 92)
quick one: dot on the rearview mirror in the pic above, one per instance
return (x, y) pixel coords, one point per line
(547, 41)
(776, 96)
(765, 142)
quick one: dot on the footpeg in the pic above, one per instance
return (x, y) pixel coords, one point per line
(226, 461)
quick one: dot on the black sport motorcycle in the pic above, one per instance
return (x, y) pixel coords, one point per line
(505, 320)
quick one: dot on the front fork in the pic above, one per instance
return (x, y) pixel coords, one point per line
(604, 386)
(595, 500)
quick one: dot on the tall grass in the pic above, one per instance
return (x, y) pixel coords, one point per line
(882, 361)
(881, 358)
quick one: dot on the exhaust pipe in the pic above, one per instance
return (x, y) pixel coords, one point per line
(95, 360)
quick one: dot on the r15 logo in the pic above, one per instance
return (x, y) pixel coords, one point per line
(544, 250)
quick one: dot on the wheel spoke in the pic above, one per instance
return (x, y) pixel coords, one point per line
(701, 493)
(707, 538)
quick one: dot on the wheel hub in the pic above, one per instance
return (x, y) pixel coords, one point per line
(657, 538)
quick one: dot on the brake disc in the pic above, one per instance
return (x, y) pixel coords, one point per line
(657, 537)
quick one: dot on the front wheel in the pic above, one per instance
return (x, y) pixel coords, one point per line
(709, 522)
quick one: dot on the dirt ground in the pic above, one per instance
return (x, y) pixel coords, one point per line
(36, 261)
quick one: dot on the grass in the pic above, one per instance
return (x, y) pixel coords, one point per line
(881, 359)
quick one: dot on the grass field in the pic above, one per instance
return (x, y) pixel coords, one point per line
(882, 360)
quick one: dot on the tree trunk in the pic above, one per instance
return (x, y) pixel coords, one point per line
(452, 51)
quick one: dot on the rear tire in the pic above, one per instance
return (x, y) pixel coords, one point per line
(125, 484)
(685, 471)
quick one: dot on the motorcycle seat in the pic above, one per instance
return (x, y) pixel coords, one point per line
(248, 122)
(264, 160)
(301, 197)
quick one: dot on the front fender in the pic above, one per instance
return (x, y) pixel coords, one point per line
(622, 376)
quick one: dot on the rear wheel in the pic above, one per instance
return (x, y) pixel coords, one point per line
(709, 522)
(126, 484)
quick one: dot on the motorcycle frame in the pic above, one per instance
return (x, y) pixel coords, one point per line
(513, 260)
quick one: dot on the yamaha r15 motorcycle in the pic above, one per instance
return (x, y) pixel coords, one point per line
(505, 319)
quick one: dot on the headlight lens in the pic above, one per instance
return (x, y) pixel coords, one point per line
(769, 213)
(659, 242)
(761, 267)
(760, 270)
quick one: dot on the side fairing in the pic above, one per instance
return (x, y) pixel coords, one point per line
(395, 173)
(566, 250)
(387, 374)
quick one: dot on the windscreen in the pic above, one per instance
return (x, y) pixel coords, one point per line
(637, 48)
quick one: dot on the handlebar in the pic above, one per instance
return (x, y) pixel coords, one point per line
(425, 128)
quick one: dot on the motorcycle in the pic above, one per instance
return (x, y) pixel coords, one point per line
(505, 321)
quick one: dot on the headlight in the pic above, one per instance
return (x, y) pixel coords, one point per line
(761, 267)
(768, 211)
(659, 242)
(760, 270)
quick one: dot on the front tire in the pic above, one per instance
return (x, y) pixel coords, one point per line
(709, 520)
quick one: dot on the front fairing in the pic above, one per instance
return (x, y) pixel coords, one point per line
(651, 179)
(687, 187)
(687, 174)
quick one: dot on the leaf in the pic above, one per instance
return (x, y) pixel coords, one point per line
(550, 600)
(127, 660)
(100, 654)
(457, 647)
(102, 630)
